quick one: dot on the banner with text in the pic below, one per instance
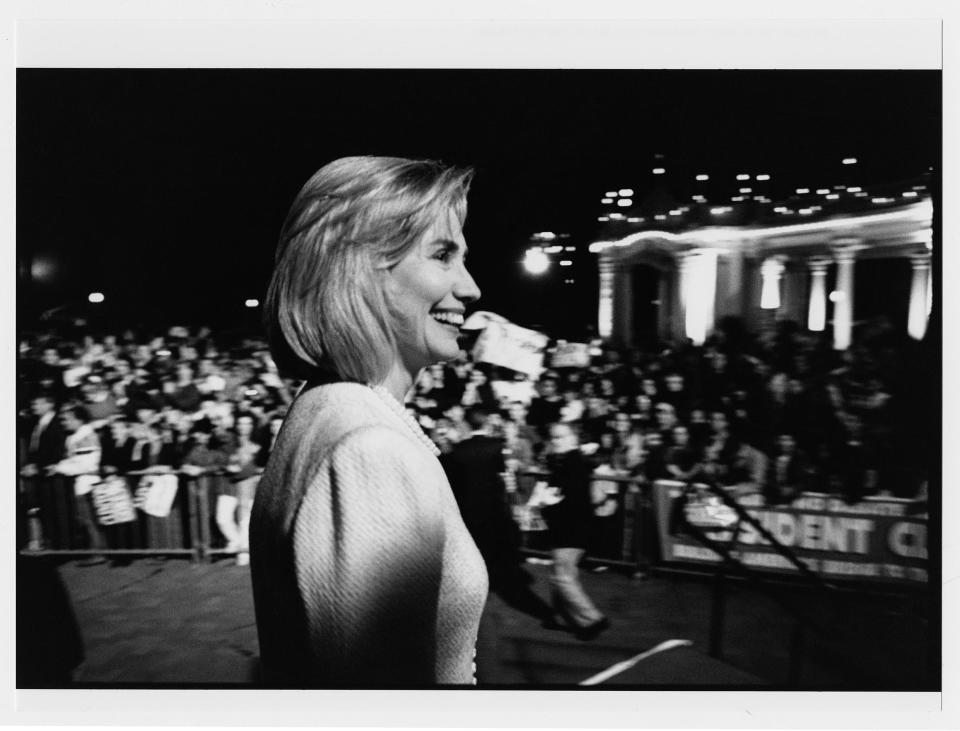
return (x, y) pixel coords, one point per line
(877, 539)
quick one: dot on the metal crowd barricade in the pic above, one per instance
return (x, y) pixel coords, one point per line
(54, 520)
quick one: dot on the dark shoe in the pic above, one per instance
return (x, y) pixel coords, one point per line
(592, 630)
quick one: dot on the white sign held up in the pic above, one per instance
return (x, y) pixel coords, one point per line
(511, 346)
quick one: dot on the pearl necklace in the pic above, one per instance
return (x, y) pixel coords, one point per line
(394, 405)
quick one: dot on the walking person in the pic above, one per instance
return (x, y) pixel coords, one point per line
(236, 498)
(568, 514)
(364, 574)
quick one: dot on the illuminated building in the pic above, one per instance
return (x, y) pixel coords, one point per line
(764, 260)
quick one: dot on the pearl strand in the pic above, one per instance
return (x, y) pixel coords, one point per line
(395, 406)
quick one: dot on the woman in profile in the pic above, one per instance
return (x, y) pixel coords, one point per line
(363, 572)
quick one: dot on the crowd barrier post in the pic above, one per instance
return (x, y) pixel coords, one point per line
(203, 517)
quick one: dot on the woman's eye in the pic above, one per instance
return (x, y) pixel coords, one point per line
(444, 255)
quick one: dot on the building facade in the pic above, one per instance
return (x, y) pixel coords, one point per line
(684, 282)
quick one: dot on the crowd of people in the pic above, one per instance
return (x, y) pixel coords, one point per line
(774, 415)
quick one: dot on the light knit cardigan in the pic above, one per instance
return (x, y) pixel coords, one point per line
(364, 574)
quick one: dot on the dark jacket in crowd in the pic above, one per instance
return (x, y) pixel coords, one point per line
(473, 468)
(50, 447)
(568, 522)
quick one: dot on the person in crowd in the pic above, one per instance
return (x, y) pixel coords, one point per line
(268, 436)
(363, 571)
(183, 393)
(675, 393)
(788, 471)
(202, 456)
(518, 449)
(82, 461)
(82, 443)
(747, 473)
(666, 417)
(174, 438)
(47, 441)
(236, 494)
(517, 413)
(475, 468)
(852, 462)
(683, 458)
(545, 408)
(113, 441)
(456, 416)
(595, 418)
(568, 514)
(573, 406)
(720, 451)
(627, 444)
(141, 449)
(653, 465)
(699, 427)
(641, 411)
(101, 405)
(478, 391)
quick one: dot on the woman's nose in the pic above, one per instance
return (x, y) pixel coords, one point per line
(466, 289)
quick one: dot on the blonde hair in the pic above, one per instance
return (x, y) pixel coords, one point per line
(326, 310)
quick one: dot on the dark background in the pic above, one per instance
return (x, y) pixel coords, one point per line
(166, 189)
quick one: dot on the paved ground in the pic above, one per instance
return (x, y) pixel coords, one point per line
(157, 621)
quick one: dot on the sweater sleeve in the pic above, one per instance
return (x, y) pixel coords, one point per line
(369, 548)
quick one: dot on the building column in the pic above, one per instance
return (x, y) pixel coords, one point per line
(771, 270)
(623, 304)
(920, 295)
(844, 255)
(817, 308)
(605, 305)
(730, 284)
(698, 286)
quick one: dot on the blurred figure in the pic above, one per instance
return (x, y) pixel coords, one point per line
(683, 458)
(202, 456)
(478, 391)
(573, 407)
(545, 408)
(236, 496)
(568, 513)
(475, 468)
(183, 393)
(788, 471)
(82, 461)
(47, 442)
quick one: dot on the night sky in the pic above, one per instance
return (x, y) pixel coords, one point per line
(166, 189)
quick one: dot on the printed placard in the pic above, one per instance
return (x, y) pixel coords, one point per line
(112, 502)
(156, 493)
(571, 355)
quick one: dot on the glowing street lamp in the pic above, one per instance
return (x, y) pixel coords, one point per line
(536, 262)
(252, 303)
(95, 297)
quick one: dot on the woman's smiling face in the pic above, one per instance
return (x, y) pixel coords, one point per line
(429, 290)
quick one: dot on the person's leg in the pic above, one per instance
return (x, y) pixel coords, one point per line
(568, 595)
(226, 520)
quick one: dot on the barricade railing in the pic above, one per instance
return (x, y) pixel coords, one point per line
(730, 564)
(162, 512)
